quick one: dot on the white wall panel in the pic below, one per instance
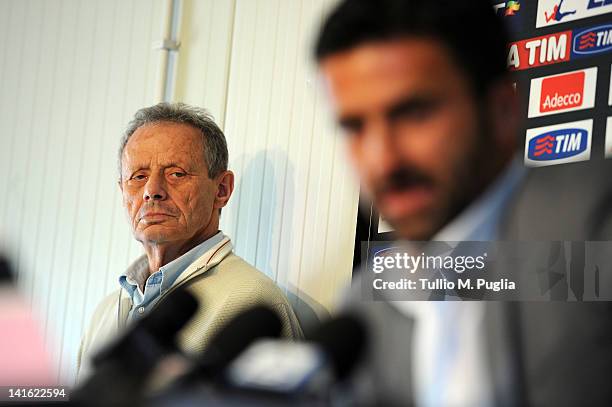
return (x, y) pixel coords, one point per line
(72, 74)
(294, 210)
(205, 54)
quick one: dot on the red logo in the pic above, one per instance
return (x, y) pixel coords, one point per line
(544, 145)
(562, 92)
(539, 51)
(587, 41)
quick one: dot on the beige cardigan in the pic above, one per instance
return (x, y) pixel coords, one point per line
(224, 284)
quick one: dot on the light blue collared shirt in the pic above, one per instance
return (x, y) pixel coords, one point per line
(160, 281)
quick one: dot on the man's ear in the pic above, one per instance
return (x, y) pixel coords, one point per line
(225, 187)
(503, 108)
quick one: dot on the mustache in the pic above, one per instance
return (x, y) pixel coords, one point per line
(156, 207)
(403, 178)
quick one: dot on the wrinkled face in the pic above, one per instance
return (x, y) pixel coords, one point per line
(167, 193)
(415, 132)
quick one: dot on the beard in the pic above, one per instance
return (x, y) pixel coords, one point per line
(466, 178)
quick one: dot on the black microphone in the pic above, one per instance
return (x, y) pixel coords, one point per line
(154, 335)
(6, 276)
(245, 367)
(343, 339)
(327, 357)
(208, 370)
(253, 324)
(122, 368)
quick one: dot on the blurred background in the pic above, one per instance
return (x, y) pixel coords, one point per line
(72, 73)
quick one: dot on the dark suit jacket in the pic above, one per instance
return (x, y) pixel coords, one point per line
(563, 350)
(541, 353)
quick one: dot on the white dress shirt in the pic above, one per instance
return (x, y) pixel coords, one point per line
(451, 368)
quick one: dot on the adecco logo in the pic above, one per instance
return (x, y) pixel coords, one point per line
(564, 92)
(559, 144)
(551, 12)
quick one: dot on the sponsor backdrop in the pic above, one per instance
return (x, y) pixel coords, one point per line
(559, 54)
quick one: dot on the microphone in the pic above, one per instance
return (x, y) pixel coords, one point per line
(343, 339)
(207, 372)
(245, 366)
(125, 365)
(253, 324)
(156, 331)
(6, 276)
(310, 367)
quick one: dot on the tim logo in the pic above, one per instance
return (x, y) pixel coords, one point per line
(558, 144)
(593, 40)
(538, 51)
(556, 14)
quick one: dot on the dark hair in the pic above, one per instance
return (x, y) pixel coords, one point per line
(470, 29)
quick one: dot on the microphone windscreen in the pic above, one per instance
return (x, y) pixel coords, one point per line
(155, 333)
(6, 275)
(170, 315)
(343, 339)
(254, 323)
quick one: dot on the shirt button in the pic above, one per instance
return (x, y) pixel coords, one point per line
(140, 310)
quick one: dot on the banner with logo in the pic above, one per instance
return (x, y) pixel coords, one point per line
(560, 55)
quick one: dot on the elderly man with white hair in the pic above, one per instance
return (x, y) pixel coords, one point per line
(174, 180)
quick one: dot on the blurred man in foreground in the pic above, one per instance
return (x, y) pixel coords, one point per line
(174, 181)
(422, 93)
